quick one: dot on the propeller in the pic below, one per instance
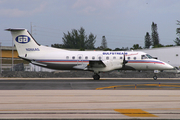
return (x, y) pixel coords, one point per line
(124, 61)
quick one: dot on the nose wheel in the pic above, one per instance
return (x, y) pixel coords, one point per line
(155, 77)
(96, 77)
(155, 74)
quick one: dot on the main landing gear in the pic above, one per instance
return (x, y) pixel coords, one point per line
(96, 76)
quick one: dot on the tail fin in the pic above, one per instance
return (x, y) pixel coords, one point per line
(24, 42)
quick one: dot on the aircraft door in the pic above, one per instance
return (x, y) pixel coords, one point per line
(79, 59)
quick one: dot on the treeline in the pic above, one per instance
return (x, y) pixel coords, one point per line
(153, 40)
(77, 39)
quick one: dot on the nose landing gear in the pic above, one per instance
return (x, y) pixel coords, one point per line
(155, 77)
(155, 74)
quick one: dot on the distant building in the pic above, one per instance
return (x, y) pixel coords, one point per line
(7, 60)
(169, 55)
(7, 52)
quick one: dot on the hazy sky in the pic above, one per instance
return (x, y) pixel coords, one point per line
(123, 22)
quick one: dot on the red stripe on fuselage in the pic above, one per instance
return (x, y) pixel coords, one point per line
(63, 61)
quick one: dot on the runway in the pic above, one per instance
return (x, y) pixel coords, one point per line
(89, 99)
(88, 84)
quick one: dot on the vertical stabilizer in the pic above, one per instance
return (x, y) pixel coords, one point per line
(24, 42)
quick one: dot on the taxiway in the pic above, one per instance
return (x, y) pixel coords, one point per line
(89, 99)
(88, 83)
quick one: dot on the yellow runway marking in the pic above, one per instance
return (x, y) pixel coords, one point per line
(143, 86)
(112, 87)
(134, 113)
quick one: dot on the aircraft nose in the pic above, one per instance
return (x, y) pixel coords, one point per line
(169, 67)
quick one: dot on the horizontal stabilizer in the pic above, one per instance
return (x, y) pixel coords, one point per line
(15, 29)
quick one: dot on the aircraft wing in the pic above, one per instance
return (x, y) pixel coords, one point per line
(92, 64)
(96, 64)
(80, 67)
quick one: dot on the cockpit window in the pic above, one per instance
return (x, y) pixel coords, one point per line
(143, 57)
(150, 57)
(147, 56)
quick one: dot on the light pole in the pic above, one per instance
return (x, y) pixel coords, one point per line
(12, 55)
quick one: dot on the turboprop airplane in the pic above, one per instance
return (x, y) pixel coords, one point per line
(95, 61)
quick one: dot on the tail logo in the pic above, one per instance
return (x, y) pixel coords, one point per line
(22, 39)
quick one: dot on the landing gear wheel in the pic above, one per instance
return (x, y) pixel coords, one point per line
(155, 77)
(96, 77)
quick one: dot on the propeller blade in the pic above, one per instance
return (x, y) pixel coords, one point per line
(124, 60)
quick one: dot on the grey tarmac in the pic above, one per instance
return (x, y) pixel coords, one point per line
(89, 99)
(88, 83)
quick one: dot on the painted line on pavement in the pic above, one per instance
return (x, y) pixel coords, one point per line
(134, 113)
(142, 86)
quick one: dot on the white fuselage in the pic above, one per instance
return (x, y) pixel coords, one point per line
(96, 61)
(68, 60)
